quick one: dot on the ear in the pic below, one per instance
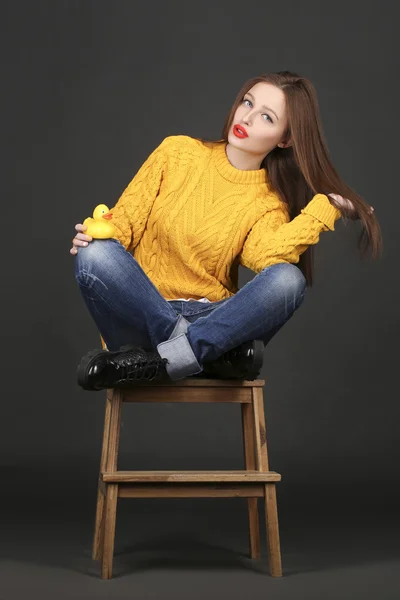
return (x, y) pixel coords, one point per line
(285, 144)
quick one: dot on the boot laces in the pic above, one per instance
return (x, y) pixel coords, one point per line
(132, 365)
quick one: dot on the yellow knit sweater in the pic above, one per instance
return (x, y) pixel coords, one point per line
(190, 218)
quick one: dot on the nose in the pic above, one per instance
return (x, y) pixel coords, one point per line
(246, 118)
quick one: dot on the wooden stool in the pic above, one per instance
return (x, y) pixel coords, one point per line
(257, 481)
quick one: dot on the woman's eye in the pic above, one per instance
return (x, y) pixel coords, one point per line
(264, 115)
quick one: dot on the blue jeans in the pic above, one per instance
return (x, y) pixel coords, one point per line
(127, 308)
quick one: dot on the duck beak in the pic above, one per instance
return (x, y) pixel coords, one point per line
(107, 216)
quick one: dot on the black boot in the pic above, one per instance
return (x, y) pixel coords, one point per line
(102, 369)
(243, 362)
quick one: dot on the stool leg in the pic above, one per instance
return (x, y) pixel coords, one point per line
(111, 459)
(109, 530)
(271, 512)
(271, 518)
(106, 507)
(250, 463)
(100, 514)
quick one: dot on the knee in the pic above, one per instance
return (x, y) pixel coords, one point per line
(290, 281)
(92, 260)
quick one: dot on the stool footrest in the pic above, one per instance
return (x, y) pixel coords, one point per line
(191, 490)
(248, 476)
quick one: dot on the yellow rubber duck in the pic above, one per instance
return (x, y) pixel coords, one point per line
(99, 227)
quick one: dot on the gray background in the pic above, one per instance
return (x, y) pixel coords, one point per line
(89, 89)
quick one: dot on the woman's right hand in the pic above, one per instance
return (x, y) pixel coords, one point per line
(80, 239)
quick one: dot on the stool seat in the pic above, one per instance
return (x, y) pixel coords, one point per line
(254, 481)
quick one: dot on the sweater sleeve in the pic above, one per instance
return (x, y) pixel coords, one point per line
(274, 239)
(132, 210)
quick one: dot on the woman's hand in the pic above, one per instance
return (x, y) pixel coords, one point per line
(339, 201)
(80, 239)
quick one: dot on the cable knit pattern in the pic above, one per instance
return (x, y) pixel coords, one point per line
(190, 217)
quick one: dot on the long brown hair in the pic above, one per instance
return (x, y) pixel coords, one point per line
(300, 171)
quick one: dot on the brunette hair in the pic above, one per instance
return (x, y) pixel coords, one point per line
(300, 171)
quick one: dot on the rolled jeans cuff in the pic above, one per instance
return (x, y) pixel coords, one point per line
(181, 326)
(182, 361)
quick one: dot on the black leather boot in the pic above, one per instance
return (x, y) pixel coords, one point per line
(102, 369)
(243, 362)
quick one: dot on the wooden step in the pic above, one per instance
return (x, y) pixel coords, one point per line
(191, 490)
(190, 476)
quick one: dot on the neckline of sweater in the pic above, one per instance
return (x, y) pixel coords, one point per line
(231, 173)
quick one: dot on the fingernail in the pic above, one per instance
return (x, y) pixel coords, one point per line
(85, 243)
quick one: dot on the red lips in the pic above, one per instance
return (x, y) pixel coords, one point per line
(240, 131)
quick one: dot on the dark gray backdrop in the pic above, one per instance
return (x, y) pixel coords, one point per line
(89, 89)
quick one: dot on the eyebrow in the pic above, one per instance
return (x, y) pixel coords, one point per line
(266, 107)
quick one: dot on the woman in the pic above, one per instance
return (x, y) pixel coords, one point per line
(164, 293)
